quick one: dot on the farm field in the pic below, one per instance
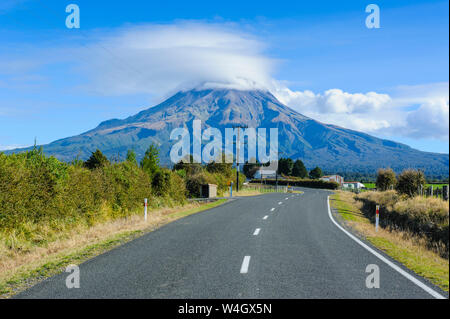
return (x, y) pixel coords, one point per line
(435, 186)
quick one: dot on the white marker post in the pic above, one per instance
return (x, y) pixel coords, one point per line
(377, 217)
(145, 209)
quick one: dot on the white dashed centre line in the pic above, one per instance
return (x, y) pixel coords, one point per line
(257, 230)
(272, 209)
(286, 198)
(265, 217)
(245, 264)
(279, 203)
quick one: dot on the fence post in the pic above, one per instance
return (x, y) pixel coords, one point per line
(145, 209)
(377, 217)
(445, 192)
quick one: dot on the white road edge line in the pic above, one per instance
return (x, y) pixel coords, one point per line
(272, 209)
(386, 261)
(265, 217)
(245, 263)
(257, 230)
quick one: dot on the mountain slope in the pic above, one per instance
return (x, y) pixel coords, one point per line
(332, 148)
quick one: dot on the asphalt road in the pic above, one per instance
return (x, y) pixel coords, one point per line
(270, 246)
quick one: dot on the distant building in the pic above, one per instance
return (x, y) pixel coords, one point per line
(354, 185)
(333, 178)
(265, 173)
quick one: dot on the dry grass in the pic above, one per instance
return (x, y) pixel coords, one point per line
(17, 265)
(420, 216)
(411, 250)
(243, 192)
(430, 208)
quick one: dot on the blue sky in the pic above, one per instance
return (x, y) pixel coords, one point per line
(318, 57)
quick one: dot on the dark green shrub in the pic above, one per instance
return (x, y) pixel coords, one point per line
(299, 169)
(386, 179)
(96, 160)
(410, 181)
(316, 173)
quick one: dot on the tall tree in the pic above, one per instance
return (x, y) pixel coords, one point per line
(96, 160)
(299, 169)
(285, 166)
(131, 157)
(150, 162)
(316, 173)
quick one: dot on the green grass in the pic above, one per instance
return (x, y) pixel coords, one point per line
(435, 271)
(435, 186)
(346, 210)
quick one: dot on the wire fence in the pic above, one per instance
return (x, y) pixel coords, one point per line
(441, 191)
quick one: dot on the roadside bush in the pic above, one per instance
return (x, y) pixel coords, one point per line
(189, 168)
(386, 179)
(29, 187)
(410, 181)
(161, 182)
(225, 169)
(425, 217)
(177, 188)
(125, 186)
(40, 195)
(170, 185)
(193, 183)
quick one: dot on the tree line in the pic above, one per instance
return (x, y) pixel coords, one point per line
(286, 167)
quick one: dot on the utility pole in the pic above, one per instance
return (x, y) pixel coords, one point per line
(239, 126)
(276, 171)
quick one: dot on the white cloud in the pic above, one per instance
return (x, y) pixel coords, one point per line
(377, 113)
(430, 120)
(12, 147)
(333, 101)
(161, 58)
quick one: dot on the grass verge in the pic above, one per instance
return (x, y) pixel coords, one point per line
(410, 250)
(21, 271)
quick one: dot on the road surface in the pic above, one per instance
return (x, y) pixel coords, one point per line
(270, 246)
